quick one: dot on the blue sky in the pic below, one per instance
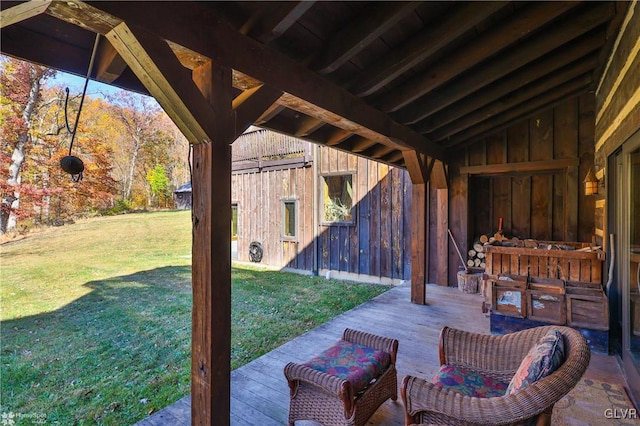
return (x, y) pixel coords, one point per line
(76, 84)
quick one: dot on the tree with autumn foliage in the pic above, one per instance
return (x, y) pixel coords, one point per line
(21, 96)
(132, 152)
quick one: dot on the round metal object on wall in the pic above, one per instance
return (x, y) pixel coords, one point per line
(255, 251)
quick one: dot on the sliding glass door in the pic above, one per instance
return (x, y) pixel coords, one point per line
(628, 230)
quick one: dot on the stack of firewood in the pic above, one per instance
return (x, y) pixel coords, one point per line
(476, 258)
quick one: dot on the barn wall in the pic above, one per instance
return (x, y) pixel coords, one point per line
(378, 242)
(544, 205)
(376, 246)
(259, 197)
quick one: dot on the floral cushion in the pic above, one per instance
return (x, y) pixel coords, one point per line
(543, 359)
(468, 382)
(352, 362)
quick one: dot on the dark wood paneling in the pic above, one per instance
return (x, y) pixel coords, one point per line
(374, 223)
(384, 178)
(542, 204)
(364, 215)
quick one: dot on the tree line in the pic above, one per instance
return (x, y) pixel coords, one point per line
(133, 154)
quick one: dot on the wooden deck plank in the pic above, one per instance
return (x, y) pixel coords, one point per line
(259, 391)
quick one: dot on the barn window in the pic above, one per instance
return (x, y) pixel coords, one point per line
(289, 218)
(234, 222)
(337, 198)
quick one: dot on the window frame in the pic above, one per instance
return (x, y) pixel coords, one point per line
(321, 194)
(296, 212)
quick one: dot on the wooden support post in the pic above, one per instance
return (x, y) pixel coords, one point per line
(419, 173)
(442, 237)
(438, 179)
(211, 265)
(419, 208)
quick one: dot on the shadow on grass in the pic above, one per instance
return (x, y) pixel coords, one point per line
(109, 357)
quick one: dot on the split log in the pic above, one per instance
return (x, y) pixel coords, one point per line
(484, 239)
(478, 248)
(472, 253)
(530, 243)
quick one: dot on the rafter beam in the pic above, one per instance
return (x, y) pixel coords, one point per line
(528, 20)
(542, 101)
(377, 151)
(580, 75)
(250, 105)
(200, 31)
(420, 47)
(536, 47)
(393, 157)
(166, 79)
(418, 165)
(576, 57)
(279, 19)
(23, 11)
(109, 65)
(371, 24)
(308, 126)
(337, 137)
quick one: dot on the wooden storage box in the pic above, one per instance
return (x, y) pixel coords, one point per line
(546, 301)
(509, 296)
(587, 307)
(574, 265)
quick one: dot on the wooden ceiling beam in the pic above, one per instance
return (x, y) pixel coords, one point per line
(200, 31)
(565, 91)
(355, 143)
(378, 151)
(354, 37)
(279, 19)
(576, 57)
(527, 20)
(54, 53)
(251, 104)
(418, 165)
(337, 137)
(166, 79)
(270, 113)
(308, 126)
(580, 72)
(109, 65)
(566, 31)
(420, 47)
(393, 158)
(23, 11)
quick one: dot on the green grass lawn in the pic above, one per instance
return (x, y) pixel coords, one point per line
(95, 317)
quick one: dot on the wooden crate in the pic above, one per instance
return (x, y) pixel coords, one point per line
(568, 265)
(546, 301)
(509, 297)
(587, 307)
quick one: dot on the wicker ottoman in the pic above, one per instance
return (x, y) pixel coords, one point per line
(345, 384)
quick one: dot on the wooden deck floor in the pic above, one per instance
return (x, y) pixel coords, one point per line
(259, 391)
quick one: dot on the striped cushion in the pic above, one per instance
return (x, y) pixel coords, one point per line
(352, 362)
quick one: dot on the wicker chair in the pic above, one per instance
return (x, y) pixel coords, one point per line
(330, 400)
(500, 357)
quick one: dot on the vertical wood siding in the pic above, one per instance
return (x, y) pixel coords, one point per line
(543, 205)
(376, 244)
(378, 241)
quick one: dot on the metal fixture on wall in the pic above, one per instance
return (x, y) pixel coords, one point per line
(590, 184)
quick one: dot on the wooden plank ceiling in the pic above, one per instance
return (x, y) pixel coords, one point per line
(372, 78)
